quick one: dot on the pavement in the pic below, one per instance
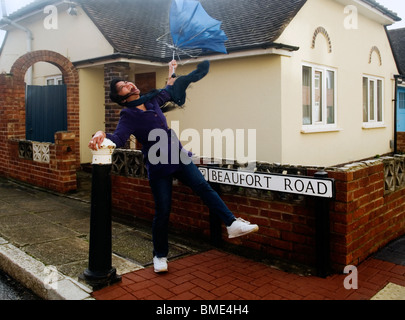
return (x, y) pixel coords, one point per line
(44, 244)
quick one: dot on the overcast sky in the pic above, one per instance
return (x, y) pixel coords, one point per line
(398, 6)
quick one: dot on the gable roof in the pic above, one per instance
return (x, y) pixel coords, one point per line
(374, 4)
(397, 40)
(132, 27)
(34, 6)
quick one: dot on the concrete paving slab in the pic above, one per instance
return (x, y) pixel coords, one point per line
(7, 209)
(25, 236)
(62, 214)
(80, 226)
(391, 291)
(73, 269)
(60, 251)
(139, 246)
(69, 289)
(44, 239)
(36, 204)
(123, 265)
(22, 220)
(13, 191)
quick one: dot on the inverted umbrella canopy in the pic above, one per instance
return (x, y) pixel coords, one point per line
(192, 28)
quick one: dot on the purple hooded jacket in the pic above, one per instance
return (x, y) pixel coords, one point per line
(161, 148)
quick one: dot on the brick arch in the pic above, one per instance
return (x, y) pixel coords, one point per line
(377, 51)
(322, 30)
(22, 64)
(70, 78)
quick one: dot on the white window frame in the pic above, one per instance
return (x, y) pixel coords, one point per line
(322, 125)
(372, 117)
(56, 80)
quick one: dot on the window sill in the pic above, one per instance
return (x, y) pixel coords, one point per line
(320, 129)
(373, 125)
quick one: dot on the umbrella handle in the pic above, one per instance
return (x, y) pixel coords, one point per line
(173, 74)
(172, 69)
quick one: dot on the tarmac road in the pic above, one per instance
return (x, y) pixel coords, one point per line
(12, 290)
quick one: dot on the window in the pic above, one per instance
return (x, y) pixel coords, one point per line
(318, 97)
(373, 105)
(401, 100)
(55, 80)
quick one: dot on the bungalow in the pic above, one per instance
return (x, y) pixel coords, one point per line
(397, 37)
(311, 80)
(305, 82)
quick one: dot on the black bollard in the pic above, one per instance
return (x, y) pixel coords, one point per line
(322, 233)
(215, 221)
(100, 272)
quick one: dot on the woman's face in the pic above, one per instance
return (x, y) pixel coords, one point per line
(125, 88)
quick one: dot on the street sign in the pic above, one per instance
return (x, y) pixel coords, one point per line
(308, 186)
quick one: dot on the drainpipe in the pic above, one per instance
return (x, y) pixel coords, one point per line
(395, 114)
(27, 32)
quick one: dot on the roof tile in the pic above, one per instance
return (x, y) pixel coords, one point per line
(397, 39)
(133, 26)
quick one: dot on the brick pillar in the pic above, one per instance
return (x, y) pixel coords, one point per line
(65, 161)
(4, 89)
(112, 110)
(401, 142)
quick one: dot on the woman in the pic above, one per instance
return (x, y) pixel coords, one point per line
(143, 117)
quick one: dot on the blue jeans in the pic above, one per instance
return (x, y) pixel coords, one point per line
(189, 175)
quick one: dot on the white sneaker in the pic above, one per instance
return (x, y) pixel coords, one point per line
(241, 227)
(160, 264)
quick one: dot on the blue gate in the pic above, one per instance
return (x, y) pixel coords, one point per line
(46, 112)
(401, 109)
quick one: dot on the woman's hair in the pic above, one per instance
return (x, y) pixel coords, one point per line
(114, 96)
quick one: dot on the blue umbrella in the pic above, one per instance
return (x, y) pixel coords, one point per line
(192, 28)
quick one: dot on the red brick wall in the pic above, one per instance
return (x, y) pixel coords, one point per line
(362, 217)
(401, 142)
(60, 173)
